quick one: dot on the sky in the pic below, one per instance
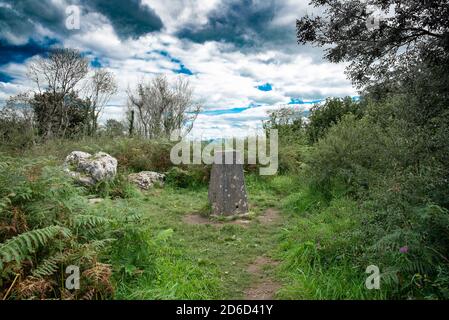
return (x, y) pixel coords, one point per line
(240, 56)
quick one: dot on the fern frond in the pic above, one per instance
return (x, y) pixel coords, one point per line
(20, 247)
(100, 275)
(89, 251)
(32, 286)
(89, 221)
(98, 245)
(50, 265)
(132, 218)
(4, 203)
(89, 295)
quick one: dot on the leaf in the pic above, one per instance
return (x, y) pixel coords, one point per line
(164, 235)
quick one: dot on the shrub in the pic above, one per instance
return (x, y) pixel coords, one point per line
(326, 115)
(119, 187)
(380, 160)
(192, 176)
(353, 153)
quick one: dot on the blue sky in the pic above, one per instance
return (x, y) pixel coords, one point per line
(240, 56)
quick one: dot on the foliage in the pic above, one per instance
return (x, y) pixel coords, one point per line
(63, 116)
(16, 123)
(287, 121)
(393, 157)
(375, 54)
(114, 128)
(56, 78)
(119, 187)
(46, 224)
(323, 116)
(403, 191)
(290, 125)
(190, 177)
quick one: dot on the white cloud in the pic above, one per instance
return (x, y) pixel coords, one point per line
(224, 76)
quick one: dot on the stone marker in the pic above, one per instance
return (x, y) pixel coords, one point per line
(227, 191)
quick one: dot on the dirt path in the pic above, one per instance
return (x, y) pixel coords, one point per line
(263, 287)
(269, 217)
(198, 219)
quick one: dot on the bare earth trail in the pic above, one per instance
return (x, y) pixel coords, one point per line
(264, 287)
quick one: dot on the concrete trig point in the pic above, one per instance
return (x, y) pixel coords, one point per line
(227, 191)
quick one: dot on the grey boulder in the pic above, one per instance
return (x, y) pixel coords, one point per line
(89, 169)
(146, 179)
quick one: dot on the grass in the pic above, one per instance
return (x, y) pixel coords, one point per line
(198, 261)
(167, 258)
(210, 262)
(320, 249)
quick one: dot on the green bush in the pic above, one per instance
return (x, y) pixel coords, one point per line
(119, 187)
(192, 176)
(401, 182)
(142, 155)
(324, 116)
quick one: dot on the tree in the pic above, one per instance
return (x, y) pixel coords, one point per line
(61, 80)
(16, 122)
(101, 87)
(417, 32)
(405, 57)
(75, 113)
(114, 128)
(161, 107)
(56, 78)
(130, 117)
(289, 123)
(323, 116)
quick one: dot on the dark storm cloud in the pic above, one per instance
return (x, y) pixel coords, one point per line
(242, 22)
(250, 26)
(19, 18)
(130, 18)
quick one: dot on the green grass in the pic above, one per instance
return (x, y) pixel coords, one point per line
(320, 249)
(210, 262)
(198, 261)
(162, 257)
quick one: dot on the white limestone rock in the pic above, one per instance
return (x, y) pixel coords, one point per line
(146, 179)
(89, 169)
